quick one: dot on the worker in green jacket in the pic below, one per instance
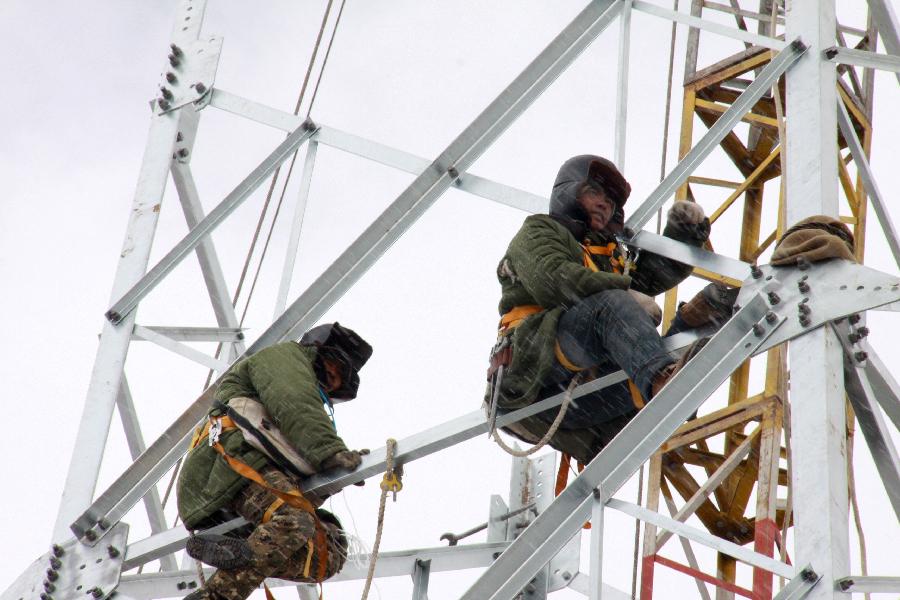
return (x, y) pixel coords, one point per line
(572, 302)
(293, 385)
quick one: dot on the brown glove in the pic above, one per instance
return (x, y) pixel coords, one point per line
(345, 459)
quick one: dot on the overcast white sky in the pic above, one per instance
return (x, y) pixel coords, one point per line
(78, 78)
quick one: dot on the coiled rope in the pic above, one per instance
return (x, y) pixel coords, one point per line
(567, 399)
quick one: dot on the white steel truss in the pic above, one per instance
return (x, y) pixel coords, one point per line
(824, 355)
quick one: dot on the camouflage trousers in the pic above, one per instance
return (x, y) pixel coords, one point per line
(281, 546)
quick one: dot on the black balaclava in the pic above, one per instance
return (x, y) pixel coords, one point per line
(595, 172)
(343, 346)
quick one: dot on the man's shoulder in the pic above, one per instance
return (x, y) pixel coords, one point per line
(285, 351)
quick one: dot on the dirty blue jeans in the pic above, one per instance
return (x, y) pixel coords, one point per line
(606, 332)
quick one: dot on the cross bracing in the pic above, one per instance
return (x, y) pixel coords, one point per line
(463, 178)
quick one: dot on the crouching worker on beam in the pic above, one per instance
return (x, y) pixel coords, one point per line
(272, 424)
(574, 303)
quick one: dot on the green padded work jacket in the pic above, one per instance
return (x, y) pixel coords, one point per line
(282, 377)
(543, 265)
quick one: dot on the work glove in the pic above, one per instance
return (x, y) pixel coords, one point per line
(648, 305)
(345, 459)
(688, 218)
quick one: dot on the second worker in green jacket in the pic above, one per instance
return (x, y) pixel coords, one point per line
(572, 303)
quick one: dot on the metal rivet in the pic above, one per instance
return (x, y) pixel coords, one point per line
(167, 93)
(861, 356)
(90, 535)
(52, 575)
(804, 287)
(804, 320)
(173, 60)
(176, 50)
(46, 597)
(756, 272)
(758, 330)
(854, 319)
(55, 562)
(113, 551)
(58, 550)
(183, 152)
(49, 587)
(163, 104)
(853, 337)
(773, 298)
(192, 585)
(566, 575)
(771, 317)
(804, 308)
(808, 575)
(97, 593)
(170, 77)
(181, 585)
(199, 87)
(862, 332)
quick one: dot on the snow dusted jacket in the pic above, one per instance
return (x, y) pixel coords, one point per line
(282, 377)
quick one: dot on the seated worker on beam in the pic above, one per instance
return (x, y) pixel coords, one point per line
(572, 303)
(268, 428)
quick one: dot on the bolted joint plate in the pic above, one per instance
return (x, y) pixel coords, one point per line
(79, 571)
(191, 77)
(819, 293)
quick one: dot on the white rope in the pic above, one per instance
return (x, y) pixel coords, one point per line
(390, 446)
(567, 399)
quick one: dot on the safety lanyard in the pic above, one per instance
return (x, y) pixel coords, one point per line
(329, 407)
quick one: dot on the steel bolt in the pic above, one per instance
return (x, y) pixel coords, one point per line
(804, 287)
(496, 555)
(167, 93)
(773, 298)
(566, 575)
(453, 173)
(113, 551)
(171, 78)
(853, 337)
(808, 575)
(97, 592)
(183, 152)
(804, 308)
(55, 562)
(530, 588)
(46, 597)
(103, 524)
(804, 321)
(90, 535)
(771, 318)
(192, 585)
(758, 330)
(49, 587)
(163, 104)
(176, 50)
(200, 87)
(854, 319)
(58, 550)
(802, 263)
(756, 272)
(179, 137)
(862, 332)
(52, 575)
(861, 356)
(181, 585)
(173, 60)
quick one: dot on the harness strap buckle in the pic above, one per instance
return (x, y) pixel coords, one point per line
(215, 430)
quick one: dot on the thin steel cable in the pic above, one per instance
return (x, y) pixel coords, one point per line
(665, 143)
(337, 22)
(390, 446)
(567, 399)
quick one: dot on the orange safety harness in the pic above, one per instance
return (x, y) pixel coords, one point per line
(292, 498)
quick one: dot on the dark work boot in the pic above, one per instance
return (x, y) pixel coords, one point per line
(220, 551)
(669, 371)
